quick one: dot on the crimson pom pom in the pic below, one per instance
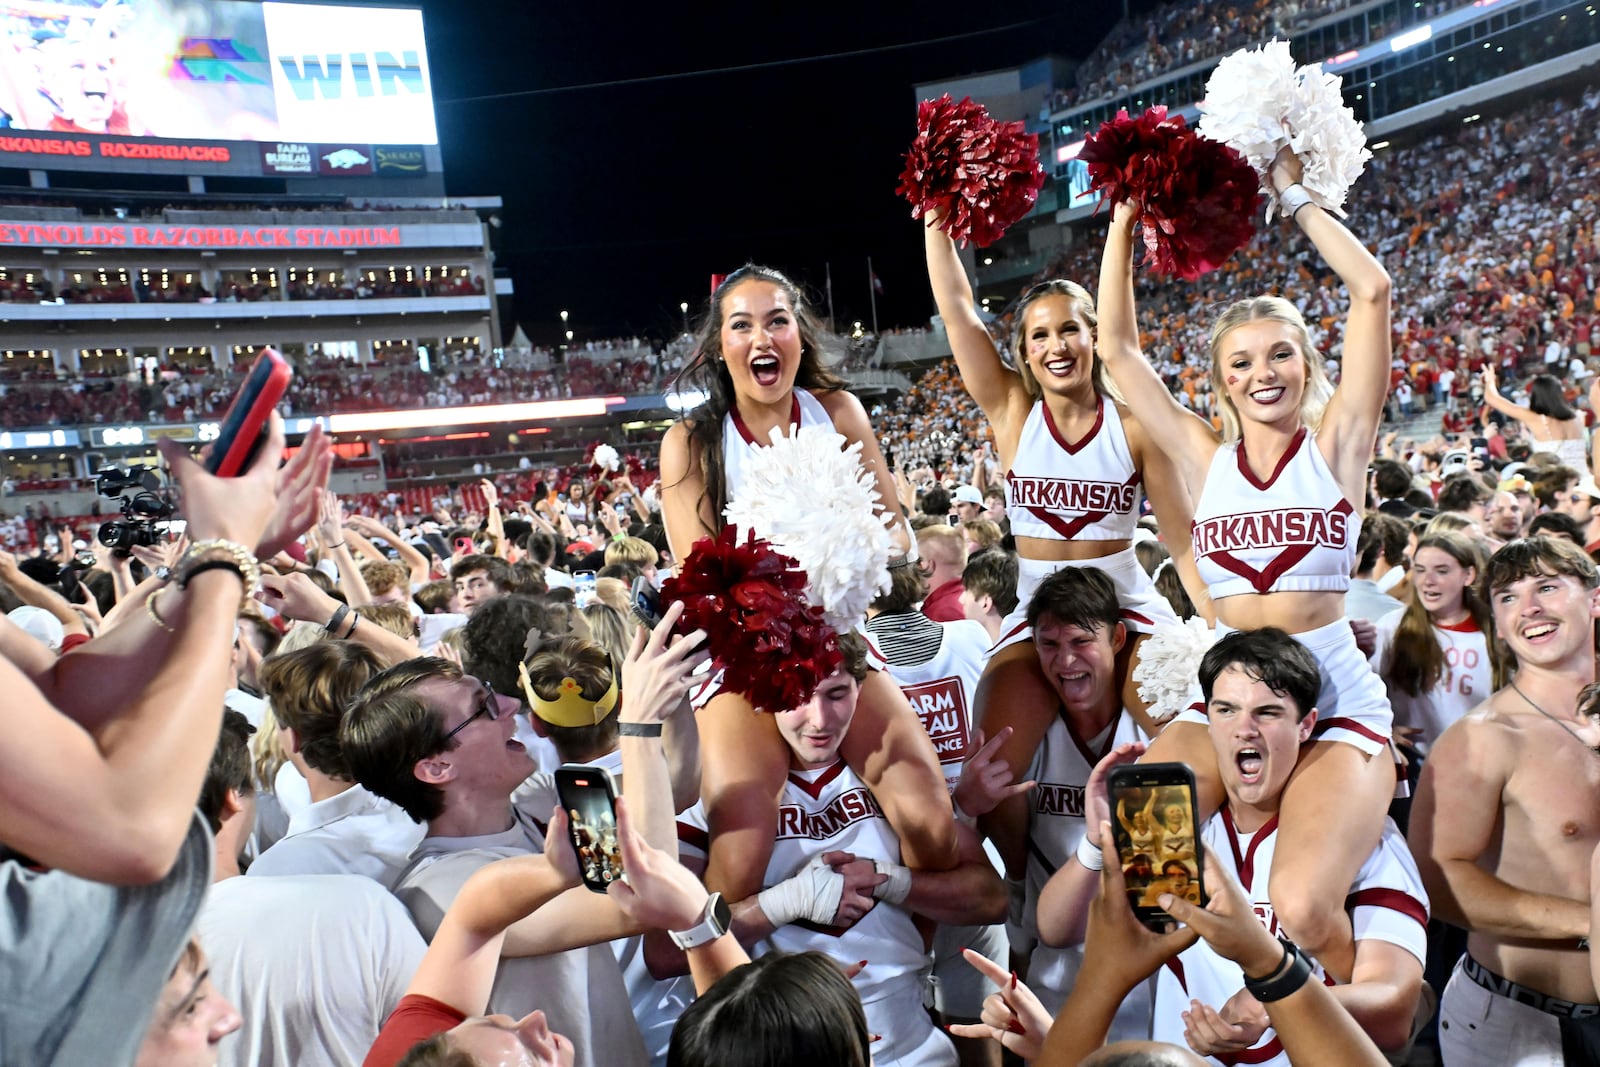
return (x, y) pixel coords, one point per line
(772, 645)
(985, 174)
(1198, 197)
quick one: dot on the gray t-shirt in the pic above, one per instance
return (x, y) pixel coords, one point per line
(82, 964)
(581, 991)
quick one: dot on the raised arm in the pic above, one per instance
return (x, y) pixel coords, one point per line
(1492, 397)
(989, 381)
(1453, 826)
(414, 560)
(850, 419)
(1173, 429)
(1350, 425)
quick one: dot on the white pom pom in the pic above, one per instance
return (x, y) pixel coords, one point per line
(810, 496)
(1257, 101)
(1169, 667)
(606, 458)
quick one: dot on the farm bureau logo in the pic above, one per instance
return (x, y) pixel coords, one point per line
(942, 707)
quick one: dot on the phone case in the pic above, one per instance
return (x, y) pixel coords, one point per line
(243, 427)
(589, 797)
(1154, 822)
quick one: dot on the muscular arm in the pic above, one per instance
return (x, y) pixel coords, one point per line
(971, 894)
(113, 803)
(1382, 994)
(1456, 822)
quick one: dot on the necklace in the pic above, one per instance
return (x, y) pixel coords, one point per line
(1592, 748)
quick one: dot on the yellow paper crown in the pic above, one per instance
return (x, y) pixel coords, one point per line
(569, 708)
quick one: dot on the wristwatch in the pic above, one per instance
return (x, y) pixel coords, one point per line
(713, 924)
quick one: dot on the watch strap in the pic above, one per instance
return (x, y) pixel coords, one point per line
(639, 729)
(712, 925)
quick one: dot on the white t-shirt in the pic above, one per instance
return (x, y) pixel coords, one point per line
(1466, 682)
(1061, 766)
(354, 832)
(942, 691)
(314, 964)
(1386, 903)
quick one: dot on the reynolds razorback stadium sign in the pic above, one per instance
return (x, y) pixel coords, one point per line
(136, 235)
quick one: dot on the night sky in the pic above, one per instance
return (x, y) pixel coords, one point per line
(622, 201)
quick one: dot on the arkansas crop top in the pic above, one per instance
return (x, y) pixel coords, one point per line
(1084, 490)
(1294, 532)
(738, 441)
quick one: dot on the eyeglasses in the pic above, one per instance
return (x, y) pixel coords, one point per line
(488, 709)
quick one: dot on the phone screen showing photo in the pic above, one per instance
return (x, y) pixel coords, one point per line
(1153, 819)
(589, 799)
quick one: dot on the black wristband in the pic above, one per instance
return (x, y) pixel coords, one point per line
(1286, 981)
(339, 615)
(210, 565)
(639, 729)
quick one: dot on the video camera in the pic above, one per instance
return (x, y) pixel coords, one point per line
(137, 490)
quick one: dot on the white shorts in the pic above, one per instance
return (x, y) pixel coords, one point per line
(958, 989)
(1478, 1028)
(909, 1037)
(1353, 705)
(1143, 609)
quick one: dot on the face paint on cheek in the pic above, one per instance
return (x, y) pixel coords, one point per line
(1233, 379)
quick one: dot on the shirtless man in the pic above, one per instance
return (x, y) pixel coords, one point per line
(1506, 817)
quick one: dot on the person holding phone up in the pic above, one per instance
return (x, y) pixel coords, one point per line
(1260, 690)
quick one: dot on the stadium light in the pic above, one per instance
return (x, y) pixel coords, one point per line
(475, 415)
(1411, 38)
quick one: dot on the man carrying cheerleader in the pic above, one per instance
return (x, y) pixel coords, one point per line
(1259, 688)
(1077, 631)
(834, 883)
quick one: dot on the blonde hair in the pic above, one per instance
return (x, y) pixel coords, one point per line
(631, 550)
(1083, 304)
(615, 592)
(267, 754)
(1318, 391)
(610, 629)
(300, 635)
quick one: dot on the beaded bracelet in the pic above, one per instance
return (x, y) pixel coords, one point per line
(150, 610)
(249, 569)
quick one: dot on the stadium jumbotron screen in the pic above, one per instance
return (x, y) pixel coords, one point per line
(321, 90)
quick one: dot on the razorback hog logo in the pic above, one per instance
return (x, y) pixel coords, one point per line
(1065, 494)
(849, 807)
(942, 707)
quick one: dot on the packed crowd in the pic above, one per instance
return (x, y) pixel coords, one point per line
(324, 387)
(1260, 738)
(1178, 34)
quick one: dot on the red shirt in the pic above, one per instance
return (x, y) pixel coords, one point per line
(416, 1018)
(944, 603)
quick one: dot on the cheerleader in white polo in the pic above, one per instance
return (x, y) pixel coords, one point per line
(806, 904)
(1077, 463)
(1277, 494)
(1435, 654)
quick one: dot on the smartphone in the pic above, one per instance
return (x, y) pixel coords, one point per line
(589, 797)
(646, 602)
(464, 545)
(1480, 445)
(954, 520)
(1153, 819)
(244, 427)
(583, 585)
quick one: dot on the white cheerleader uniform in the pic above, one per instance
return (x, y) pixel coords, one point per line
(1061, 766)
(1386, 903)
(1085, 490)
(1294, 531)
(738, 443)
(831, 810)
(1466, 681)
